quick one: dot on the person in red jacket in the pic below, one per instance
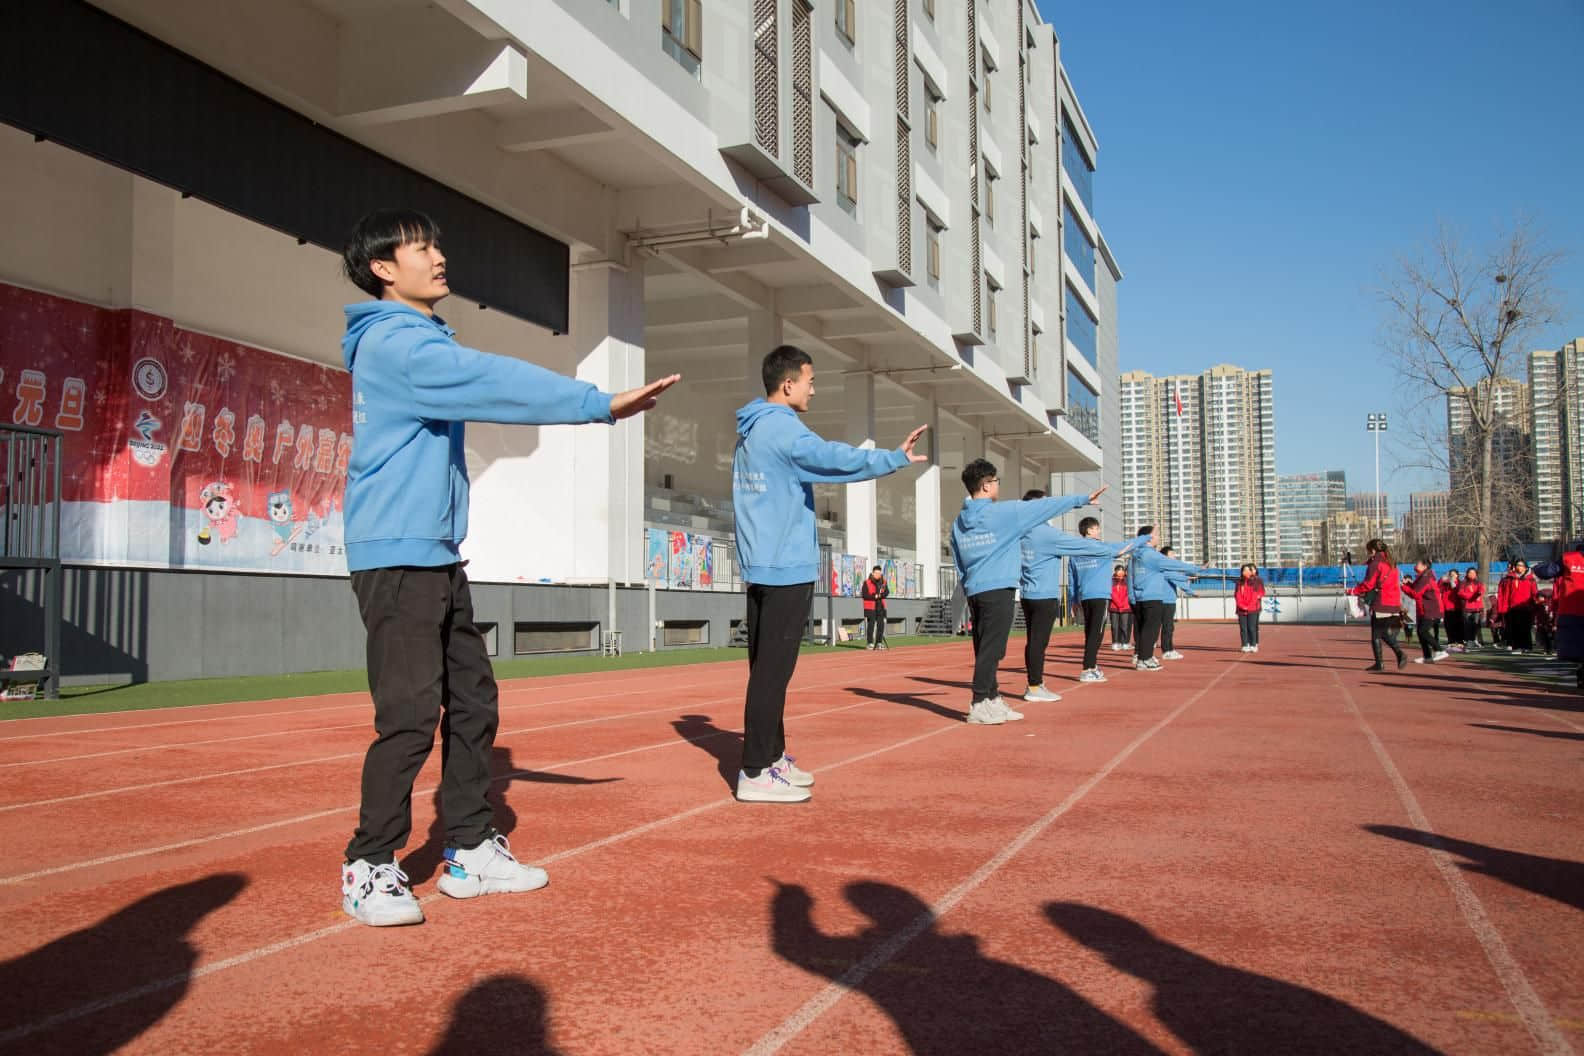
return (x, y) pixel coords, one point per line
(1516, 597)
(1452, 610)
(1121, 611)
(1567, 593)
(1247, 597)
(875, 593)
(1428, 601)
(1473, 594)
(1382, 585)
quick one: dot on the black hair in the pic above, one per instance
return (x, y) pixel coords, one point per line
(976, 473)
(1167, 550)
(783, 362)
(875, 569)
(377, 237)
(1033, 493)
(1145, 529)
(1086, 524)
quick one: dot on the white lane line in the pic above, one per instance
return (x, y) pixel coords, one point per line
(827, 998)
(143, 852)
(1542, 1027)
(1566, 722)
(244, 771)
(186, 978)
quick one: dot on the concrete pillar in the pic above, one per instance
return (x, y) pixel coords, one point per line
(860, 517)
(608, 466)
(1014, 482)
(765, 332)
(927, 507)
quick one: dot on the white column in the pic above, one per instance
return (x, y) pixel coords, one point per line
(860, 517)
(606, 519)
(765, 332)
(1014, 480)
(927, 506)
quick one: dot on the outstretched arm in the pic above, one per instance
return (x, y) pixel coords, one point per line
(794, 937)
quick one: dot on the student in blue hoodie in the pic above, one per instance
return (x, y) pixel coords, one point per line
(1151, 593)
(1089, 587)
(1043, 548)
(1180, 589)
(987, 546)
(406, 508)
(776, 465)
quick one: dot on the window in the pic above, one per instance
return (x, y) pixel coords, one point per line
(989, 201)
(1080, 326)
(846, 168)
(929, 9)
(1033, 244)
(1076, 244)
(932, 234)
(847, 19)
(985, 85)
(990, 307)
(1079, 169)
(682, 32)
(931, 117)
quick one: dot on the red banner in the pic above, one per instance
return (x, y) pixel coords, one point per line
(181, 449)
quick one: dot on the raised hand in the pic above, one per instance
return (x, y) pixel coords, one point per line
(1093, 495)
(907, 445)
(635, 401)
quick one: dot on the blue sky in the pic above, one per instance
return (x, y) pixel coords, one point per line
(1263, 165)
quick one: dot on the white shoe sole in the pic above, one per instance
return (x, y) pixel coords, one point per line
(389, 917)
(531, 879)
(802, 779)
(796, 795)
(980, 720)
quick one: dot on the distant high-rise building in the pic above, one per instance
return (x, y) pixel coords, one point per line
(1556, 383)
(1372, 506)
(1425, 525)
(1304, 497)
(1347, 532)
(1199, 462)
(1511, 512)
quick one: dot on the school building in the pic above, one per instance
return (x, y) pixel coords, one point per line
(627, 188)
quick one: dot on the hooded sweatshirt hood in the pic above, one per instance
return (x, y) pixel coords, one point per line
(774, 469)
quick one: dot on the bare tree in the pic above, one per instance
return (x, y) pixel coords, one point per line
(1455, 328)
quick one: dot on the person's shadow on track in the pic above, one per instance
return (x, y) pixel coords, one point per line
(143, 944)
(943, 993)
(912, 700)
(423, 861)
(724, 746)
(504, 1015)
(1554, 878)
(1215, 1007)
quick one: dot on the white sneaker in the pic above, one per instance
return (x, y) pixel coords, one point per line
(1039, 693)
(1092, 675)
(1117, 647)
(378, 894)
(1418, 659)
(1006, 711)
(1171, 655)
(985, 713)
(1245, 648)
(794, 777)
(771, 786)
(1440, 655)
(1253, 648)
(488, 869)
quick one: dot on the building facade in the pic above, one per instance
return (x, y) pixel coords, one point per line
(1198, 461)
(1556, 383)
(1425, 527)
(1302, 497)
(1511, 512)
(629, 189)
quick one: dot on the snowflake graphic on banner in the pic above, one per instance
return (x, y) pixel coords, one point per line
(225, 367)
(276, 390)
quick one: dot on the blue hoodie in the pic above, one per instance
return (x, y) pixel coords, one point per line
(412, 388)
(1148, 576)
(1090, 577)
(777, 463)
(987, 538)
(1043, 549)
(1179, 585)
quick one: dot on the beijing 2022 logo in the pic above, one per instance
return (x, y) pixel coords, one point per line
(148, 377)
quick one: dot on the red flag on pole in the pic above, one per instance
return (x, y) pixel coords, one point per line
(1177, 395)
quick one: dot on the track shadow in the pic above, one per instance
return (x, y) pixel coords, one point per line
(946, 997)
(1555, 878)
(503, 1015)
(1557, 735)
(1214, 1007)
(911, 700)
(724, 746)
(950, 684)
(145, 943)
(424, 860)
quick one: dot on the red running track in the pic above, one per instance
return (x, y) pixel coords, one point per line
(1242, 853)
